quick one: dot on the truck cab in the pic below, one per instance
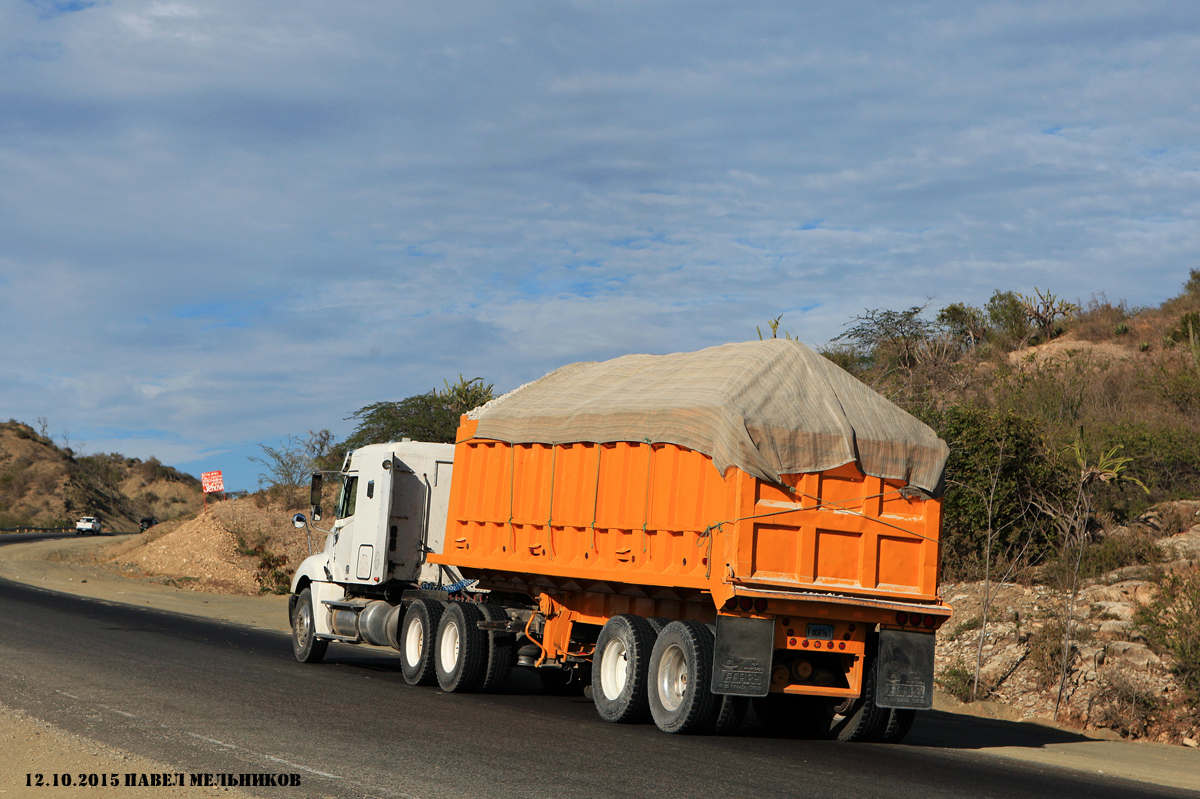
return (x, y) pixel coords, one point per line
(390, 512)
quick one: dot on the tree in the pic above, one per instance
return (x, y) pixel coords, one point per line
(968, 324)
(891, 337)
(1007, 315)
(290, 465)
(1072, 515)
(1044, 310)
(424, 417)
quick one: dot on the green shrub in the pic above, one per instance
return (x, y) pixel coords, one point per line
(957, 681)
(987, 447)
(1045, 654)
(1171, 624)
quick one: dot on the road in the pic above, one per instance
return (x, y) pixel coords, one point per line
(215, 697)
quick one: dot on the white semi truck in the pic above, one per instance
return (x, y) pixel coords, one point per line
(673, 568)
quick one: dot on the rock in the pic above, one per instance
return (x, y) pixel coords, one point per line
(1119, 610)
(1139, 592)
(1185, 546)
(1117, 630)
(1128, 653)
(1092, 655)
(1192, 742)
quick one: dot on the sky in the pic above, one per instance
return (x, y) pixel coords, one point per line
(226, 222)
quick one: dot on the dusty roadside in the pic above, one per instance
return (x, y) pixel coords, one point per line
(46, 564)
(34, 750)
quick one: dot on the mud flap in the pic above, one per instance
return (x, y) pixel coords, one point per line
(742, 658)
(905, 670)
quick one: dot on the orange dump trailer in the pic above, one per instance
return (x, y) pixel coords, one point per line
(816, 592)
(682, 536)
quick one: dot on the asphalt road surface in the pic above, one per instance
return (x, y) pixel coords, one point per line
(213, 697)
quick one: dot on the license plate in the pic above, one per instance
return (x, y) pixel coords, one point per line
(821, 631)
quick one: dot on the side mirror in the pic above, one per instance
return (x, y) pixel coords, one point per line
(298, 521)
(314, 497)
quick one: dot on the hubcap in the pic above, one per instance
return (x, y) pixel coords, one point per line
(414, 641)
(672, 678)
(614, 669)
(303, 624)
(448, 651)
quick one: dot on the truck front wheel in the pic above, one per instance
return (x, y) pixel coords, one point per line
(620, 669)
(461, 649)
(418, 634)
(305, 644)
(680, 668)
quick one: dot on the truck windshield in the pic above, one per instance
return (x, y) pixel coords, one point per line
(346, 497)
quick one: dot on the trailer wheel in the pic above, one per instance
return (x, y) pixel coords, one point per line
(857, 719)
(305, 644)
(900, 721)
(657, 623)
(620, 668)
(416, 639)
(499, 651)
(727, 714)
(680, 668)
(461, 654)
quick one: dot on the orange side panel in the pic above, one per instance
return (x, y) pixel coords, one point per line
(635, 514)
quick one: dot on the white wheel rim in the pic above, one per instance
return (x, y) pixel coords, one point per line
(303, 624)
(448, 651)
(414, 641)
(614, 669)
(672, 678)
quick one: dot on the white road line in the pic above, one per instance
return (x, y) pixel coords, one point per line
(268, 757)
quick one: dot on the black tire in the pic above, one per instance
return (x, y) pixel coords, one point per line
(620, 667)
(727, 714)
(657, 623)
(679, 675)
(305, 644)
(462, 648)
(900, 721)
(857, 719)
(417, 641)
(500, 650)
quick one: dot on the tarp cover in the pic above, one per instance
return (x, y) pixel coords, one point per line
(768, 407)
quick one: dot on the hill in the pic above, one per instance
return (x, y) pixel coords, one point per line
(44, 485)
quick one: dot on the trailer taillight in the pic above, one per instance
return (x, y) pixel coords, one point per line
(760, 606)
(746, 603)
(902, 617)
(731, 603)
(930, 621)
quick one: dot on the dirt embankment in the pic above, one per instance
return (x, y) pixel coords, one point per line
(1114, 679)
(242, 546)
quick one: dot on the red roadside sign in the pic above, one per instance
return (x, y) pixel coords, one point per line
(212, 482)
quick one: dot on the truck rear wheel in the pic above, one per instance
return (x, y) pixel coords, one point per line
(680, 668)
(857, 719)
(461, 654)
(499, 650)
(416, 638)
(305, 644)
(900, 721)
(727, 714)
(620, 669)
